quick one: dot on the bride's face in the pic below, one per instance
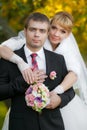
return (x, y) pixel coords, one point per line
(57, 34)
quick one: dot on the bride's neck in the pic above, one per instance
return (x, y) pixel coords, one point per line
(54, 46)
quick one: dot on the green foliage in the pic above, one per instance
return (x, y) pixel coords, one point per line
(3, 111)
(15, 12)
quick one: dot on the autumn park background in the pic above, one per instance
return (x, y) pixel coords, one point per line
(14, 12)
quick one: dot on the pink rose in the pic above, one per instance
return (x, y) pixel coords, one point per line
(52, 75)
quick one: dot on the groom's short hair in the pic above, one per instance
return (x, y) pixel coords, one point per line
(36, 17)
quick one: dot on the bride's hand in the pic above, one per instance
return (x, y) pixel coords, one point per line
(28, 75)
(26, 71)
(39, 76)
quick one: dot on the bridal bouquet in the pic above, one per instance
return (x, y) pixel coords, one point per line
(37, 96)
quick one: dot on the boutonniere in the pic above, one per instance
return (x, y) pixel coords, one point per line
(52, 75)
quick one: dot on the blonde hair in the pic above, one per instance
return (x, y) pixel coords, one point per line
(64, 19)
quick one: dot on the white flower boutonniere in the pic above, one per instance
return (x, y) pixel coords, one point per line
(52, 75)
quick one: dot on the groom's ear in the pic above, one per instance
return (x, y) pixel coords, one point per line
(25, 31)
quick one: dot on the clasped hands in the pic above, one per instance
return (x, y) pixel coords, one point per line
(37, 76)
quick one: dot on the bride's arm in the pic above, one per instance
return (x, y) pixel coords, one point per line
(67, 83)
(6, 52)
(7, 48)
(69, 80)
(72, 63)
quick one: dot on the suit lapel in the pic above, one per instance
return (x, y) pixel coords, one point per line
(48, 69)
(50, 66)
(47, 61)
(21, 53)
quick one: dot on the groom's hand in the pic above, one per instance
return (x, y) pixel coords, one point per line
(55, 101)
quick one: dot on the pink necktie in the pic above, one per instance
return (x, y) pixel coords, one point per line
(34, 62)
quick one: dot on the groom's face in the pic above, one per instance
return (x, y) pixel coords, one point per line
(36, 34)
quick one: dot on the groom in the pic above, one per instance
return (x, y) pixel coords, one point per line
(13, 86)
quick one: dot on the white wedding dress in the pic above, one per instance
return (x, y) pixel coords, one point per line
(75, 113)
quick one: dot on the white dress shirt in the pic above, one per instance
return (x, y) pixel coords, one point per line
(40, 58)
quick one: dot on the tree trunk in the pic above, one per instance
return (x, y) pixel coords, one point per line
(5, 30)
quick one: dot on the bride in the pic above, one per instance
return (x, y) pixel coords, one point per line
(60, 40)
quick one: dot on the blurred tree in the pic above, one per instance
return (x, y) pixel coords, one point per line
(13, 13)
(79, 10)
(8, 31)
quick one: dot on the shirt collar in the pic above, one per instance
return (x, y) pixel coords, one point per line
(28, 52)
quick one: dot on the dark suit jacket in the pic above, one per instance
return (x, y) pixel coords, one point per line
(13, 86)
